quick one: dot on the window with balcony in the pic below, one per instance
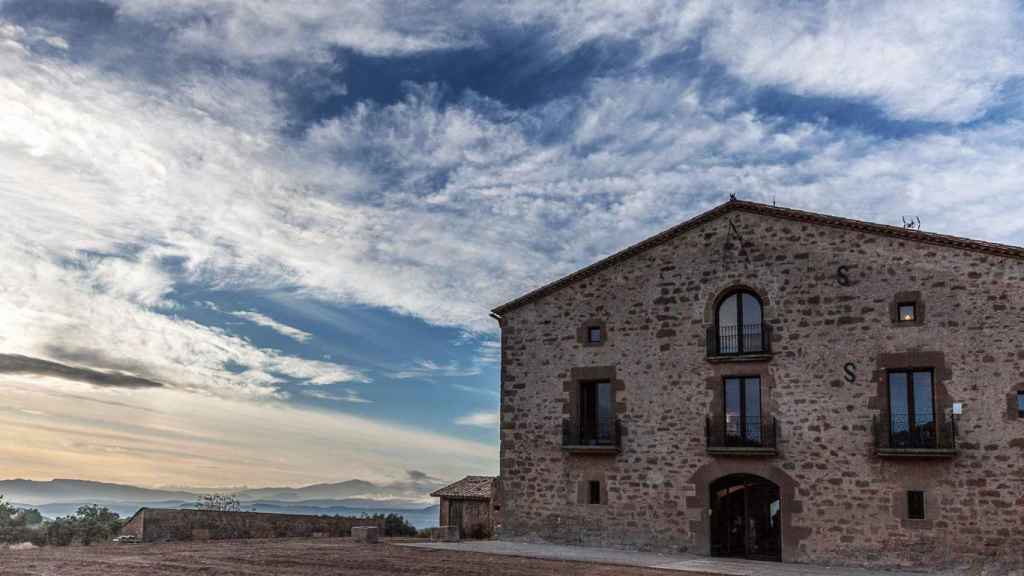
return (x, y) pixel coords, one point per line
(596, 415)
(912, 422)
(739, 326)
(741, 429)
(743, 411)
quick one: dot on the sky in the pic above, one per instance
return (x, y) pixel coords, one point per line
(256, 243)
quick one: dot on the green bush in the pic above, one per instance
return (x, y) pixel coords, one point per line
(61, 532)
(395, 525)
(96, 524)
(88, 525)
(17, 526)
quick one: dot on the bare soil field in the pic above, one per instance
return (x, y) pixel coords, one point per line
(284, 556)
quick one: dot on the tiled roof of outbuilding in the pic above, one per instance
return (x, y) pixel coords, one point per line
(470, 487)
(764, 209)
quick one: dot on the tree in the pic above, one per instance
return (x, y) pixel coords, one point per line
(60, 532)
(218, 503)
(395, 525)
(8, 522)
(6, 509)
(30, 516)
(94, 524)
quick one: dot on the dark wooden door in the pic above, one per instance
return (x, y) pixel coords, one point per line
(746, 518)
(455, 514)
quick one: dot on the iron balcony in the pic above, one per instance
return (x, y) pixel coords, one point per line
(749, 341)
(741, 437)
(899, 435)
(602, 437)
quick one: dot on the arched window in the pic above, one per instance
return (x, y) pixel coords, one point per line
(739, 324)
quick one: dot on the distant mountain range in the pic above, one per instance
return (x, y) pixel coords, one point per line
(61, 497)
(63, 491)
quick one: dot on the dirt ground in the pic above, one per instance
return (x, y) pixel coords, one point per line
(284, 556)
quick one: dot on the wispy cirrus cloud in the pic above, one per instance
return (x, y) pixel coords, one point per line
(349, 396)
(427, 369)
(479, 419)
(127, 187)
(264, 320)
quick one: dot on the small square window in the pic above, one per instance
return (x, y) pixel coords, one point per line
(915, 505)
(907, 312)
(595, 492)
(1020, 403)
(595, 335)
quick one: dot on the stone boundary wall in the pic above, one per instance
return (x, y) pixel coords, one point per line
(164, 525)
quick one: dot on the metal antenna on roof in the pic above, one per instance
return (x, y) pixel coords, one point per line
(912, 222)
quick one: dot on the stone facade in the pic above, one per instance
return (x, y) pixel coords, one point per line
(165, 525)
(829, 289)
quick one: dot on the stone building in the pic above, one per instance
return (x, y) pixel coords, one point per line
(166, 525)
(776, 384)
(469, 504)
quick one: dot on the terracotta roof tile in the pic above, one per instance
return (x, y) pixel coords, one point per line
(470, 487)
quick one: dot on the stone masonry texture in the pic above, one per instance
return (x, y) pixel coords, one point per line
(841, 502)
(162, 525)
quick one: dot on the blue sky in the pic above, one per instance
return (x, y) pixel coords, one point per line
(292, 218)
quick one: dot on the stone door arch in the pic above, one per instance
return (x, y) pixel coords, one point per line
(746, 517)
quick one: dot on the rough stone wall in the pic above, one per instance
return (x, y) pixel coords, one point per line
(841, 503)
(158, 525)
(477, 520)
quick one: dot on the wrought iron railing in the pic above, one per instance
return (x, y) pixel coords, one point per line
(604, 432)
(744, 432)
(736, 340)
(901, 431)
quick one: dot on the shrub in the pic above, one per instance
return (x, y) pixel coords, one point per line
(61, 532)
(395, 525)
(96, 524)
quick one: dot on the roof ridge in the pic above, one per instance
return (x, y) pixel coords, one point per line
(993, 248)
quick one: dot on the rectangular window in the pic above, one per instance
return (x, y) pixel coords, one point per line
(595, 335)
(915, 505)
(596, 416)
(1020, 404)
(912, 421)
(743, 411)
(595, 492)
(907, 312)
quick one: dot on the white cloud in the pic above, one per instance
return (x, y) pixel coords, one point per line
(479, 419)
(349, 396)
(306, 30)
(264, 320)
(115, 190)
(198, 441)
(933, 60)
(427, 369)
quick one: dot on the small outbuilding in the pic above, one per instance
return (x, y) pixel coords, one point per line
(471, 504)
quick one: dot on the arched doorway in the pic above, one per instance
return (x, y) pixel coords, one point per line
(746, 517)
